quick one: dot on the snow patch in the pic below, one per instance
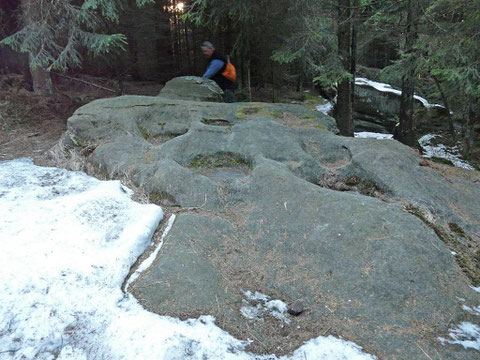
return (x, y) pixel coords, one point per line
(257, 305)
(372, 135)
(465, 334)
(325, 108)
(388, 88)
(477, 289)
(329, 348)
(475, 310)
(149, 261)
(441, 151)
(68, 241)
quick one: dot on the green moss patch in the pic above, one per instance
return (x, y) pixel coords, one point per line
(351, 183)
(78, 142)
(307, 97)
(467, 251)
(365, 187)
(144, 132)
(441, 161)
(308, 117)
(221, 159)
(456, 229)
(161, 198)
(276, 114)
(245, 112)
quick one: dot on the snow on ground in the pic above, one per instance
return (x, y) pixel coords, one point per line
(68, 241)
(465, 334)
(388, 88)
(475, 310)
(325, 107)
(149, 261)
(257, 305)
(372, 135)
(442, 151)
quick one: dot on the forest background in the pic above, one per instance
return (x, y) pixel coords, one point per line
(280, 49)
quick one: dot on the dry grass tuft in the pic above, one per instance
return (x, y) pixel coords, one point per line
(70, 159)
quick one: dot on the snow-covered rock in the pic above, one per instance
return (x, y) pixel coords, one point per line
(379, 103)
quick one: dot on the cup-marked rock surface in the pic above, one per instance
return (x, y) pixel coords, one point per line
(269, 199)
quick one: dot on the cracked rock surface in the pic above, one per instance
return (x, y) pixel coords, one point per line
(269, 199)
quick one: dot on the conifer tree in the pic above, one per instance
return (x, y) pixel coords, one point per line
(453, 57)
(343, 109)
(53, 31)
(323, 45)
(405, 132)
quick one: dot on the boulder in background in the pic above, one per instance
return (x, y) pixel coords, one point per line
(192, 88)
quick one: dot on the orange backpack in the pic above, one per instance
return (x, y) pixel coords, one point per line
(230, 73)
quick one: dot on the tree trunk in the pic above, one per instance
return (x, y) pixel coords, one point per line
(195, 49)
(242, 71)
(176, 39)
(42, 81)
(405, 132)
(469, 133)
(187, 49)
(343, 109)
(249, 82)
(272, 71)
(149, 55)
(353, 50)
(447, 107)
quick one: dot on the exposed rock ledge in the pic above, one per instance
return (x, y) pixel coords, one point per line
(269, 199)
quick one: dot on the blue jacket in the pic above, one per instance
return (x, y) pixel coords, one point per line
(216, 66)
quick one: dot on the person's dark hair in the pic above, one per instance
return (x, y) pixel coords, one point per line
(207, 44)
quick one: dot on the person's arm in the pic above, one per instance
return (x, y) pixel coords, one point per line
(213, 68)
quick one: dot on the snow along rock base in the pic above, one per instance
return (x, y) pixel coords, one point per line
(269, 199)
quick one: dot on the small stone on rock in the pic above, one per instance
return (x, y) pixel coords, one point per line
(296, 308)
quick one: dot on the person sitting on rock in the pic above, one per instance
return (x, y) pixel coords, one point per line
(220, 70)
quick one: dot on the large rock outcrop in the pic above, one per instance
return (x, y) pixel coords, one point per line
(269, 199)
(377, 106)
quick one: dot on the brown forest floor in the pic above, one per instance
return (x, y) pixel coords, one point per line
(30, 124)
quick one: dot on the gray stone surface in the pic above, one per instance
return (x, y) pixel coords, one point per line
(257, 191)
(369, 124)
(381, 108)
(372, 105)
(192, 88)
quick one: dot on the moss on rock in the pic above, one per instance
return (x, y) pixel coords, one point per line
(465, 249)
(221, 159)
